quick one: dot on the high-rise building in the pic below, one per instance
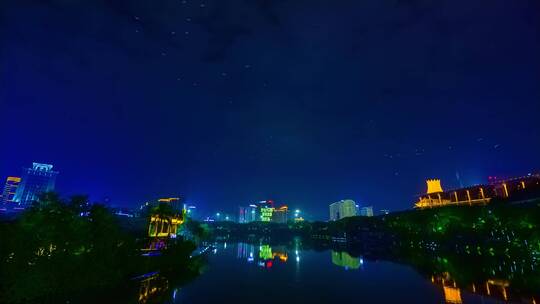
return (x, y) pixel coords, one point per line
(280, 215)
(248, 214)
(366, 211)
(10, 188)
(36, 180)
(342, 209)
(266, 214)
(241, 215)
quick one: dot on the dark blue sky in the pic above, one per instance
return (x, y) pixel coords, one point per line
(225, 102)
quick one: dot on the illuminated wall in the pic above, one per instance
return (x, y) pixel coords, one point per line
(10, 188)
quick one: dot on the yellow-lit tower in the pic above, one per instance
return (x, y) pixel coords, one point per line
(434, 186)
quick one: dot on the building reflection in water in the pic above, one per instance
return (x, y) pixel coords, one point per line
(452, 295)
(246, 251)
(151, 285)
(499, 289)
(345, 260)
(266, 255)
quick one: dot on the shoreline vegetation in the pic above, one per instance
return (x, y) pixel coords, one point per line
(68, 251)
(65, 250)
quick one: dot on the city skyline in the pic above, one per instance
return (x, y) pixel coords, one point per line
(227, 104)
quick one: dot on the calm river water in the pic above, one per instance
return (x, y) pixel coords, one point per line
(243, 273)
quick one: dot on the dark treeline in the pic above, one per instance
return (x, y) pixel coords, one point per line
(67, 250)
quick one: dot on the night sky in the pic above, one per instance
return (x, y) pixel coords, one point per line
(227, 102)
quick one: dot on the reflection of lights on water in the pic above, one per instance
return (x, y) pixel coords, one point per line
(296, 252)
(361, 261)
(215, 250)
(174, 294)
(225, 245)
(298, 259)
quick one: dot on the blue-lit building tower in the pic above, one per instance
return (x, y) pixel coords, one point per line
(34, 181)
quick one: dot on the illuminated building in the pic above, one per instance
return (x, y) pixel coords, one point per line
(280, 215)
(251, 214)
(247, 214)
(266, 214)
(10, 188)
(343, 259)
(36, 180)
(342, 209)
(164, 226)
(434, 186)
(174, 202)
(515, 189)
(366, 211)
(241, 215)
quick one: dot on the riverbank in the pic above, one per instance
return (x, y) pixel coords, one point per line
(52, 254)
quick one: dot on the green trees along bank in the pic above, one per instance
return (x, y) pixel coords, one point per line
(54, 253)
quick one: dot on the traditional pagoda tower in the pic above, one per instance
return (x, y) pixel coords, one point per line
(434, 186)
